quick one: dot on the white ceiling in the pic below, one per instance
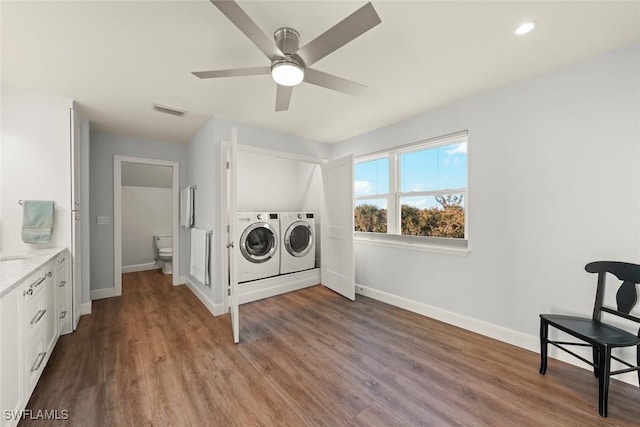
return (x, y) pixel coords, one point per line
(117, 58)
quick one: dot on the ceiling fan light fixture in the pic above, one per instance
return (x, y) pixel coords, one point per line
(287, 73)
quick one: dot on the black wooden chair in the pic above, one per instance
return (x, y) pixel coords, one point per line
(601, 337)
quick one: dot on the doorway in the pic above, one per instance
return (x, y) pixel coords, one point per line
(141, 170)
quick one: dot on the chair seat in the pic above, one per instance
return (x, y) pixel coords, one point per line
(591, 331)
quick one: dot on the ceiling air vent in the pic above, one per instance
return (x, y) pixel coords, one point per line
(169, 109)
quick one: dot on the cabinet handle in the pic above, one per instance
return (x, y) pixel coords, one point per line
(37, 283)
(63, 315)
(49, 274)
(38, 316)
(62, 283)
(38, 361)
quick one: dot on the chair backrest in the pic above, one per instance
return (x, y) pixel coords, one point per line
(626, 296)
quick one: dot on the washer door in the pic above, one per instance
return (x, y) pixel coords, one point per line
(298, 239)
(258, 242)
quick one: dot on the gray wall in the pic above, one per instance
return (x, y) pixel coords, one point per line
(103, 148)
(554, 183)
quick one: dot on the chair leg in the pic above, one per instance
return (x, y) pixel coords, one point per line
(604, 357)
(638, 360)
(596, 362)
(544, 334)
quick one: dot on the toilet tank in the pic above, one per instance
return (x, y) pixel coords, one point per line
(163, 241)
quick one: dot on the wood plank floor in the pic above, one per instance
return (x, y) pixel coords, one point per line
(155, 356)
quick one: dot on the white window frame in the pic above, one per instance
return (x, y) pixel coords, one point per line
(393, 235)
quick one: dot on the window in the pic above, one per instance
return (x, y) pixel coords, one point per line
(418, 190)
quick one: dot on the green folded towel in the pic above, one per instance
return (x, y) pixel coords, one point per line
(37, 221)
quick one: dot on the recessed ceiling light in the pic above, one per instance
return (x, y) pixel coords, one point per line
(525, 28)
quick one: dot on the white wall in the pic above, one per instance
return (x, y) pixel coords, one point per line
(146, 211)
(268, 183)
(103, 148)
(554, 183)
(36, 165)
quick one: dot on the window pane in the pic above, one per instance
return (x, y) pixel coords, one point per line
(434, 169)
(371, 215)
(372, 177)
(435, 216)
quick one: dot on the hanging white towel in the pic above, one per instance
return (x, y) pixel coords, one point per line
(186, 207)
(199, 267)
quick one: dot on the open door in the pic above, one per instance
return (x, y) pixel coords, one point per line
(338, 267)
(232, 188)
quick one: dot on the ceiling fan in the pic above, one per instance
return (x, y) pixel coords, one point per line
(290, 63)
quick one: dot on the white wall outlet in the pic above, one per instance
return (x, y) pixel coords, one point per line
(103, 220)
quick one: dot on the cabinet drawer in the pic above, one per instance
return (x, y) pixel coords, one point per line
(36, 283)
(34, 316)
(35, 359)
(63, 314)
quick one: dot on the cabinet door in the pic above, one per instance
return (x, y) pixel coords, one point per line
(49, 304)
(75, 162)
(63, 291)
(11, 386)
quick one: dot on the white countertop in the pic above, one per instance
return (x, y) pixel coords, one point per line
(15, 267)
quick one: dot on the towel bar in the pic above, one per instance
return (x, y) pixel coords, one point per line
(21, 202)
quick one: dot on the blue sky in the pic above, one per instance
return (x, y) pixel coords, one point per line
(427, 170)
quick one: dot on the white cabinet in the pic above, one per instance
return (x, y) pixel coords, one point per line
(28, 334)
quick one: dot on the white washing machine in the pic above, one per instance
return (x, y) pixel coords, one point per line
(257, 245)
(298, 241)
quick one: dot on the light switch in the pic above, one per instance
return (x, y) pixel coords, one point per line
(103, 220)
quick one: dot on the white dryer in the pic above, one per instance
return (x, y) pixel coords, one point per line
(257, 245)
(298, 241)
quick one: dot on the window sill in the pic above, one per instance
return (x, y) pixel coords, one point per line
(401, 242)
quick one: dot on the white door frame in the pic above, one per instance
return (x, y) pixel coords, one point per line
(117, 216)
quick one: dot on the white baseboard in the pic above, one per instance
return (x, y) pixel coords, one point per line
(509, 336)
(85, 308)
(103, 293)
(265, 288)
(182, 280)
(215, 309)
(139, 267)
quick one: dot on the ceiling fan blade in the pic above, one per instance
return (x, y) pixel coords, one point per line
(354, 25)
(330, 81)
(240, 19)
(283, 97)
(252, 71)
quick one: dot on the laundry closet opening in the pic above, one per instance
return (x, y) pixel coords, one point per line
(277, 223)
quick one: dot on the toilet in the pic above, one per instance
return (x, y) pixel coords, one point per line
(164, 250)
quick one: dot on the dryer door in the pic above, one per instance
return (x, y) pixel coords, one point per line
(298, 239)
(259, 242)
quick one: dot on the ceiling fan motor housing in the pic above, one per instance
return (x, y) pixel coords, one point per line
(287, 40)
